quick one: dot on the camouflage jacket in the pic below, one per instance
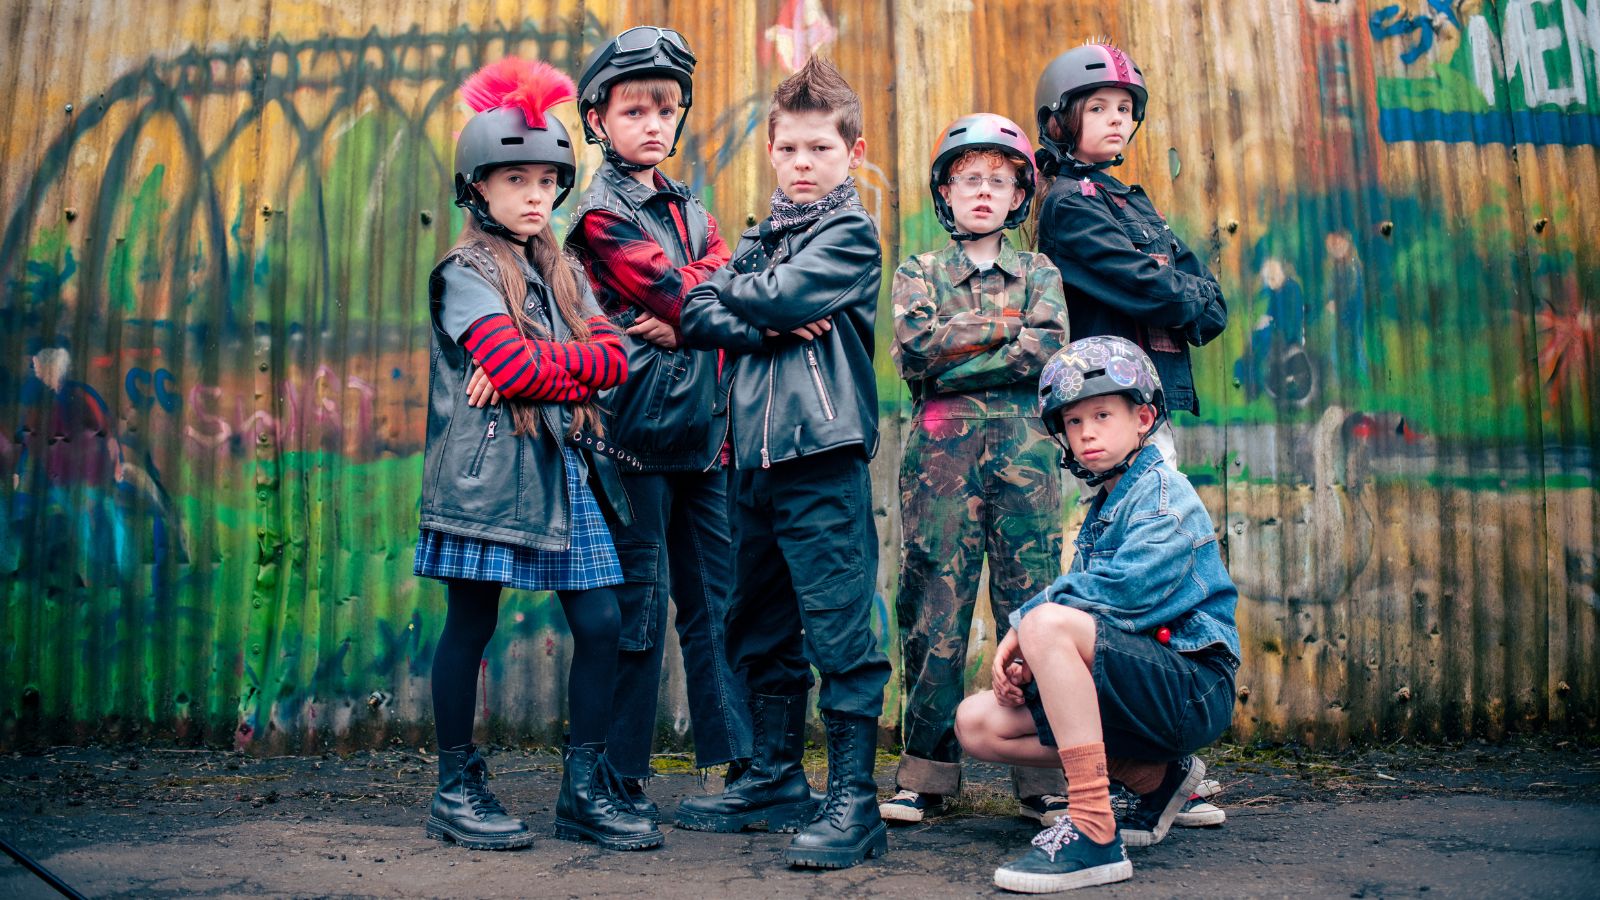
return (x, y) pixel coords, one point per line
(971, 344)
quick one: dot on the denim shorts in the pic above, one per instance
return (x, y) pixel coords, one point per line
(1155, 703)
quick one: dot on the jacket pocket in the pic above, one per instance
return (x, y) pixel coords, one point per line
(476, 467)
(637, 595)
(828, 412)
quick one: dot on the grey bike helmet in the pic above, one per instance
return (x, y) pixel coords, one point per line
(1087, 68)
(1097, 367)
(513, 97)
(645, 51)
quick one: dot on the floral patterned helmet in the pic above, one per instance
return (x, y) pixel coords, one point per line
(1096, 367)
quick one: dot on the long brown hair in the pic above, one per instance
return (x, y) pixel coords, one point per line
(1063, 127)
(557, 270)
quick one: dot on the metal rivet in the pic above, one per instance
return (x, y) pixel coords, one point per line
(68, 108)
(1540, 223)
(1232, 226)
(1386, 228)
(427, 217)
(1403, 695)
(71, 213)
(1244, 694)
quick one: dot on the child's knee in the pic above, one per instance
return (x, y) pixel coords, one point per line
(972, 718)
(1051, 625)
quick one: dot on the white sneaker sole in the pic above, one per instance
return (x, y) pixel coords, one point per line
(1201, 815)
(1046, 819)
(1035, 883)
(1179, 798)
(899, 812)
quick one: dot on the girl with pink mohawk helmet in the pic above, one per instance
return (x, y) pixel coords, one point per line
(518, 487)
(1131, 276)
(975, 322)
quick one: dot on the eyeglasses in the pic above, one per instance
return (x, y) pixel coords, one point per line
(973, 183)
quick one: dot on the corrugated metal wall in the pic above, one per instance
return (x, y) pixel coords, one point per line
(218, 221)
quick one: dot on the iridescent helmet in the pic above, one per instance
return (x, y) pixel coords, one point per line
(1097, 367)
(981, 131)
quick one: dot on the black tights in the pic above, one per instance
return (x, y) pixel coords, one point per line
(469, 623)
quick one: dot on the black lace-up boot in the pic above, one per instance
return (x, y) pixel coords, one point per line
(847, 828)
(772, 788)
(466, 811)
(593, 805)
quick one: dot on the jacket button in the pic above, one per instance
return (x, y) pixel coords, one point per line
(1163, 635)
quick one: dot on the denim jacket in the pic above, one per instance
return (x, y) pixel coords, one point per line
(1147, 557)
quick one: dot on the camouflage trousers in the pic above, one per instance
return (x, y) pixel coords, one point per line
(969, 489)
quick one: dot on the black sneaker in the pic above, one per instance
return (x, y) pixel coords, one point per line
(1199, 811)
(1061, 860)
(1046, 809)
(910, 807)
(1145, 823)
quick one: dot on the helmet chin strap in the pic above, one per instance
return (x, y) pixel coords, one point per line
(1091, 478)
(968, 236)
(615, 158)
(1062, 158)
(490, 226)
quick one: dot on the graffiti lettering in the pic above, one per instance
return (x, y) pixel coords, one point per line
(1392, 22)
(319, 409)
(146, 389)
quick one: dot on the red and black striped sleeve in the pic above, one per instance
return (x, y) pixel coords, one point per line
(599, 362)
(522, 369)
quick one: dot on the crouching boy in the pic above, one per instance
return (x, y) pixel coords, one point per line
(1125, 665)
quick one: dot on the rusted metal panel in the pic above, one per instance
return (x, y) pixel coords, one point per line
(213, 363)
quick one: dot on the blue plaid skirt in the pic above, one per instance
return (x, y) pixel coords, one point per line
(589, 562)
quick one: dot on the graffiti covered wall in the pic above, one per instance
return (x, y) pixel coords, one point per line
(218, 225)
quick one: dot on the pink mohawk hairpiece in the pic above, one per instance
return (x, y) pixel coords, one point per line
(530, 86)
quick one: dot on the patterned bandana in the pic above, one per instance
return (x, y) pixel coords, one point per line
(787, 214)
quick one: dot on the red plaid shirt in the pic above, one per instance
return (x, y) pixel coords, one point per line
(628, 268)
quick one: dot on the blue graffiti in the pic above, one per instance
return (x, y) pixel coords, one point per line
(1391, 21)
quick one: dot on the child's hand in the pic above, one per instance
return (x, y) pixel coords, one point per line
(480, 390)
(1007, 691)
(649, 328)
(809, 331)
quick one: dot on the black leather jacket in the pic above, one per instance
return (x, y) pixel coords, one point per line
(666, 413)
(791, 397)
(1126, 273)
(479, 478)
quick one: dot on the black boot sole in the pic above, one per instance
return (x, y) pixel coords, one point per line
(568, 830)
(875, 844)
(783, 818)
(441, 830)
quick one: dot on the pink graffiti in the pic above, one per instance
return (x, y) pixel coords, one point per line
(802, 29)
(322, 407)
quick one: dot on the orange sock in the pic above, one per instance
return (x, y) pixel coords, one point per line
(1088, 792)
(1141, 777)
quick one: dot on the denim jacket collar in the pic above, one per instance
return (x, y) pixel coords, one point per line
(1105, 508)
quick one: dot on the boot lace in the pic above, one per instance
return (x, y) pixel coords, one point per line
(608, 787)
(1052, 839)
(475, 779)
(834, 805)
